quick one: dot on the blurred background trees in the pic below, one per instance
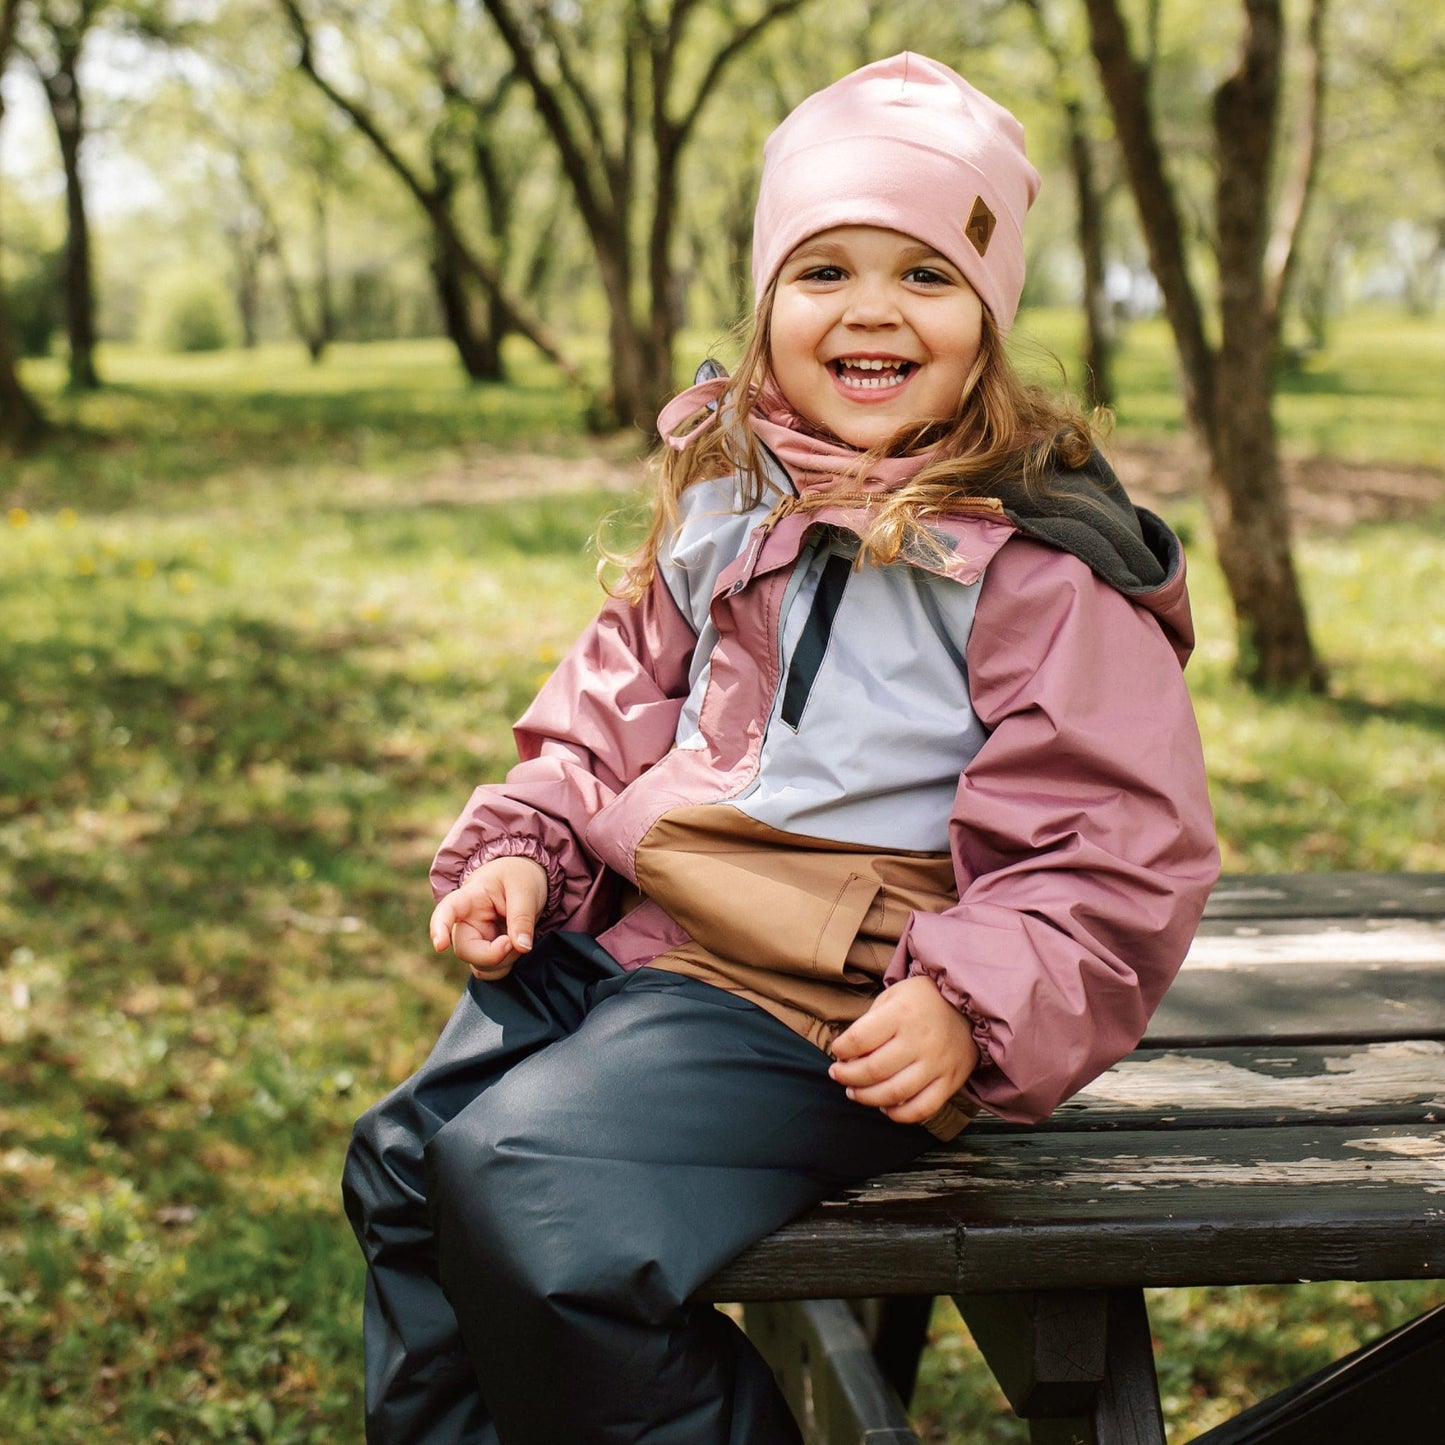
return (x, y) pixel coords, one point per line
(581, 175)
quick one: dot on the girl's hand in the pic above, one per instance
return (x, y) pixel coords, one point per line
(908, 1055)
(488, 921)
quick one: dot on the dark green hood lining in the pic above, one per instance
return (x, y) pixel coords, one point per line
(1086, 512)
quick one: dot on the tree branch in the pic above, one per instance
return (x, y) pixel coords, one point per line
(598, 209)
(585, 102)
(1126, 88)
(1282, 248)
(432, 200)
(9, 18)
(739, 41)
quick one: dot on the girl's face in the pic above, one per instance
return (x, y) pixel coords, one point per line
(872, 331)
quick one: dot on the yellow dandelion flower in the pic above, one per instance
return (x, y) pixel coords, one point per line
(85, 566)
(17, 516)
(184, 582)
(67, 516)
(145, 569)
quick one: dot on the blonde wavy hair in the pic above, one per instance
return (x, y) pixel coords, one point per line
(1003, 431)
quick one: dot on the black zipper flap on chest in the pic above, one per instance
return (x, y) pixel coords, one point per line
(813, 643)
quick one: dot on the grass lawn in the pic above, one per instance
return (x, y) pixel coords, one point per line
(262, 627)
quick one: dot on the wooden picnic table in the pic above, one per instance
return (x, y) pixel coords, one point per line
(1283, 1120)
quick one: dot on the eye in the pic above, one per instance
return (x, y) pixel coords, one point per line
(822, 273)
(926, 276)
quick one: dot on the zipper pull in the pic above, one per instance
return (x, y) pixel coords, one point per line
(761, 532)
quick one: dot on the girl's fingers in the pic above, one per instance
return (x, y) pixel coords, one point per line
(864, 1035)
(478, 941)
(895, 1090)
(440, 927)
(872, 1068)
(491, 973)
(921, 1107)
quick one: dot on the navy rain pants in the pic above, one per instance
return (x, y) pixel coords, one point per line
(583, 1148)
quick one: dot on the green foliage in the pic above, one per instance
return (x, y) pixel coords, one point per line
(186, 311)
(33, 304)
(262, 627)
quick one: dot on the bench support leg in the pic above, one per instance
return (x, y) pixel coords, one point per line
(827, 1373)
(896, 1327)
(1078, 1365)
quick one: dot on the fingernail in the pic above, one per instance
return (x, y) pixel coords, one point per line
(849, 1093)
(524, 940)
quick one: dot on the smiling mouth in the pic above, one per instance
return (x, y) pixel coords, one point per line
(871, 373)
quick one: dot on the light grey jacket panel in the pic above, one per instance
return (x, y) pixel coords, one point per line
(710, 535)
(888, 727)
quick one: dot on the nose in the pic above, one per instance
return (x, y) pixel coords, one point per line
(871, 303)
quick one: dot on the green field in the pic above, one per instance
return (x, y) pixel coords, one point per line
(261, 630)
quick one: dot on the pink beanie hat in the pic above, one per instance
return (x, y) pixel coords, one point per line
(909, 145)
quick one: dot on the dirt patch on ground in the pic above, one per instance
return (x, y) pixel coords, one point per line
(1325, 495)
(505, 474)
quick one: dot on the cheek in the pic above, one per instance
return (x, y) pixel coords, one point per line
(790, 353)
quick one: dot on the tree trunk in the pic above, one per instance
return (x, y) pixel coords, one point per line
(1228, 395)
(21, 419)
(62, 88)
(480, 355)
(325, 329)
(246, 256)
(1247, 500)
(632, 396)
(609, 178)
(1126, 88)
(1098, 323)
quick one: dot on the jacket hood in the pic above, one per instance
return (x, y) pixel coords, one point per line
(1086, 512)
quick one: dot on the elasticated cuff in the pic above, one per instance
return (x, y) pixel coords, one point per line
(979, 1025)
(518, 846)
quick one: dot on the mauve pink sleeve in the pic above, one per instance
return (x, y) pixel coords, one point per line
(605, 716)
(1082, 834)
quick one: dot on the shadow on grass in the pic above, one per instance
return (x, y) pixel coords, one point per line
(131, 444)
(165, 791)
(1409, 711)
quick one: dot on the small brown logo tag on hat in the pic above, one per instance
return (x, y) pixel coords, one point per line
(979, 228)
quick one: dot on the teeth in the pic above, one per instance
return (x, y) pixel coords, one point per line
(871, 383)
(893, 372)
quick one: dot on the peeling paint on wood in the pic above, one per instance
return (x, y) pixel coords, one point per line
(1340, 1082)
(1407, 942)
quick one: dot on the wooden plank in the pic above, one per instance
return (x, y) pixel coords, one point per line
(1272, 1085)
(1253, 1005)
(1050, 1211)
(1310, 942)
(1295, 895)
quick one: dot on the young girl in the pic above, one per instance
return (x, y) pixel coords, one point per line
(873, 798)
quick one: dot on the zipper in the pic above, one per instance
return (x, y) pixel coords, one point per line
(785, 507)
